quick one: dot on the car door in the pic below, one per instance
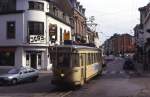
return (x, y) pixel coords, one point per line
(25, 75)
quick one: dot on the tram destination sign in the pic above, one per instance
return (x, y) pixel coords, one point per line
(37, 39)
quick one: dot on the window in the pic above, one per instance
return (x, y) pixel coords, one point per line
(75, 59)
(36, 28)
(148, 30)
(36, 6)
(7, 58)
(61, 36)
(27, 59)
(7, 5)
(39, 59)
(11, 30)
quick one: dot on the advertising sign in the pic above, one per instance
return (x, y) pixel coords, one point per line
(37, 39)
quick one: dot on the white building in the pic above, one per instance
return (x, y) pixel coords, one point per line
(27, 29)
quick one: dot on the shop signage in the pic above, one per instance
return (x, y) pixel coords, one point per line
(37, 39)
(53, 32)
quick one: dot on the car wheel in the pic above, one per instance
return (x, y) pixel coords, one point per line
(14, 81)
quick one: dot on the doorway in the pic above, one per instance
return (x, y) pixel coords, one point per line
(34, 59)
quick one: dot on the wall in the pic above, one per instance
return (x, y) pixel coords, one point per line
(19, 29)
(51, 20)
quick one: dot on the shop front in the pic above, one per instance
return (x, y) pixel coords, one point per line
(34, 59)
(7, 56)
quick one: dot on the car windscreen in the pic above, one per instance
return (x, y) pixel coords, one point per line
(13, 71)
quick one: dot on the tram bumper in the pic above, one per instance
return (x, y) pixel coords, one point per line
(64, 82)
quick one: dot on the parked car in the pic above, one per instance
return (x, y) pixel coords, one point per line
(128, 64)
(109, 58)
(19, 74)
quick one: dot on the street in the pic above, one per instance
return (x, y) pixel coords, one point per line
(114, 82)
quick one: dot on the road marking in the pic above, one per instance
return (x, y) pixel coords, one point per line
(65, 94)
(113, 72)
(121, 72)
(104, 72)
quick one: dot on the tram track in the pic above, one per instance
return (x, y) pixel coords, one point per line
(58, 94)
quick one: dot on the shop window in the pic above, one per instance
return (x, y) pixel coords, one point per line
(7, 58)
(39, 59)
(36, 28)
(61, 36)
(27, 59)
(53, 32)
(11, 30)
(36, 5)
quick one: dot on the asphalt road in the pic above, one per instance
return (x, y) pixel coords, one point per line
(114, 82)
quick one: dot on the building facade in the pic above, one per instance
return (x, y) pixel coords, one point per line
(28, 28)
(119, 45)
(142, 38)
(79, 34)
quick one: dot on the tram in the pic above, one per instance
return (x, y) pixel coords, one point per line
(75, 65)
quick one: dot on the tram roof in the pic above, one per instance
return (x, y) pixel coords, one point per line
(77, 46)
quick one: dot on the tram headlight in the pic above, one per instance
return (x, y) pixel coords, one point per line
(62, 75)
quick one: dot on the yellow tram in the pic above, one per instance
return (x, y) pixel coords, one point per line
(75, 65)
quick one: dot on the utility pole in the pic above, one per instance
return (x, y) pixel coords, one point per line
(91, 24)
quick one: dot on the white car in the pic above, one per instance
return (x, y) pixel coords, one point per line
(19, 74)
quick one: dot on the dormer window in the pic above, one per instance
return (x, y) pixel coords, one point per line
(36, 6)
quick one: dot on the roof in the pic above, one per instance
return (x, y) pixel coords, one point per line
(77, 47)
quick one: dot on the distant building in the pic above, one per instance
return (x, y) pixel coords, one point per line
(119, 45)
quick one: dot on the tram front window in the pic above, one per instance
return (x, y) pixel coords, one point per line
(63, 60)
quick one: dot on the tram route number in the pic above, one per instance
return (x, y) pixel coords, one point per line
(37, 39)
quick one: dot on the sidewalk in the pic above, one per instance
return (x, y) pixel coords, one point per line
(45, 71)
(140, 71)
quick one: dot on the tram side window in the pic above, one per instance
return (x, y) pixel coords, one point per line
(92, 56)
(89, 59)
(75, 60)
(97, 58)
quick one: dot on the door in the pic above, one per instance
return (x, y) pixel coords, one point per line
(34, 60)
(83, 65)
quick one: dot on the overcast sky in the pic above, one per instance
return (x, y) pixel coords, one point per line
(114, 16)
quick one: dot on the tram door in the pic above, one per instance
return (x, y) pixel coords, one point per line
(83, 65)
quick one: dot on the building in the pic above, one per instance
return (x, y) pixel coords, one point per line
(27, 29)
(119, 45)
(142, 38)
(79, 34)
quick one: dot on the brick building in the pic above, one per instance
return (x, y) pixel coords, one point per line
(119, 45)
(79, 20)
